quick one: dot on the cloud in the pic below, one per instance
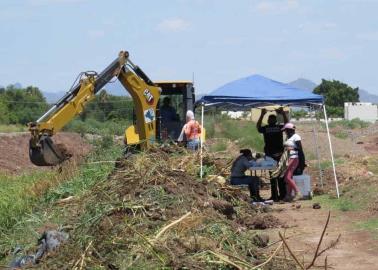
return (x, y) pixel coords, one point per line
(368, 36)
(269, 6)
(96, 34)
(173, 25)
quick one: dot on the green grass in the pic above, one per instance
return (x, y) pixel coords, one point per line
(352, 196)
(244, 132)
(341, 204)
(17, 197)
(93, 126)
(12, 128)
(373, 164)
(341, 135)
(310, 156)
(349, 124)
(89, 173)
(22, 212)
(369, 225)
(326, 164)
(219, 146)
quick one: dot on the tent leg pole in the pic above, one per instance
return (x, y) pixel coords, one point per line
(330, 148)
(315, 132)
(201, 142)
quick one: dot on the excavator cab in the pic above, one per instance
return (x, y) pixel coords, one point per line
(176, 98)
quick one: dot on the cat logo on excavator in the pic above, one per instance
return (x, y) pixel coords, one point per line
(149, 97)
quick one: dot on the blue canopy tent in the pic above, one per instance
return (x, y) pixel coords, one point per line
(258, 91)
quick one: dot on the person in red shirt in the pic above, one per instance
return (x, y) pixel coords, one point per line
(192, 130)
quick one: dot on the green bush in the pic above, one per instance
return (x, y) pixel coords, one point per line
(21, 105)
(93, 126)
(298, 114)
(106, 142)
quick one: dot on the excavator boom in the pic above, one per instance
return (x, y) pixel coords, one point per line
(42, 150)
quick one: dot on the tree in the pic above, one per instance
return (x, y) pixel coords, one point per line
(23, 105)
(335, 93)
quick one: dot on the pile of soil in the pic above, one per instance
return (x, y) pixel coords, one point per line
(14, 150)
(154, 212)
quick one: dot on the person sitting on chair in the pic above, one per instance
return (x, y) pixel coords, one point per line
(238, 177)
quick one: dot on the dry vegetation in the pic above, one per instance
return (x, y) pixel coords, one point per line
(154, 212)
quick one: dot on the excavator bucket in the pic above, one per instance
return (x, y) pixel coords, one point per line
(46, 153)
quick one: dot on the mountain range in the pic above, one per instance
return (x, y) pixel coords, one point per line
(117, 89)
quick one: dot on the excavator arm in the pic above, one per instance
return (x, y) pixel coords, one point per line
(42, 150)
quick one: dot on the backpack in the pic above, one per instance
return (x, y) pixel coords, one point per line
(302, 163)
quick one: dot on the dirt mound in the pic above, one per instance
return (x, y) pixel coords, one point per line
(154, 212)
(261, 222)
(14, 150)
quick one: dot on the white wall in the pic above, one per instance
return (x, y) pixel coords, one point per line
(364, 111)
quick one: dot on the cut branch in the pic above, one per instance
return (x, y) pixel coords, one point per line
(316, 255)
(290, 251)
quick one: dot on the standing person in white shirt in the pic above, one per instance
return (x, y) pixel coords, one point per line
(295, 160)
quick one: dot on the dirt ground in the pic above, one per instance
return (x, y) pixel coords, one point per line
(356, 248)
(341, 147)
(14, 150)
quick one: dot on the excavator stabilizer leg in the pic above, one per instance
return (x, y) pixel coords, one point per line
(46, 153)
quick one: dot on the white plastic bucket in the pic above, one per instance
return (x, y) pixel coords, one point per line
(303, 183)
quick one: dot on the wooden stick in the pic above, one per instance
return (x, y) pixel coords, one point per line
(81, 260)
(325, 263)
(283, 249)
(225, 259)
(160, 233)
(270, 258)
(104, 161)
(320, 241)
(148, 242)
(291, 253)
(332, 245)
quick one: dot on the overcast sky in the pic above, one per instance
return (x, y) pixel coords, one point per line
(46, 43)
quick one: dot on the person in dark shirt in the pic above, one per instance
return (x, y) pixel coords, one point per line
(167, 112)
(273, 138)
(238, 177)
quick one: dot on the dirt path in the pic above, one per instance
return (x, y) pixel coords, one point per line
(357, 249)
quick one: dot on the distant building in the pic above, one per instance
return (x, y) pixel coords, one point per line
(363, 110)
(254, 114)
(245, 115)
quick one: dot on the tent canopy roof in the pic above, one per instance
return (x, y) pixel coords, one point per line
(255, 91)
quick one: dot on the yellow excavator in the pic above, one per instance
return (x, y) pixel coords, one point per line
(148, 125)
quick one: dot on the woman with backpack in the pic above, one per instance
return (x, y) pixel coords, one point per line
(296, 161)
